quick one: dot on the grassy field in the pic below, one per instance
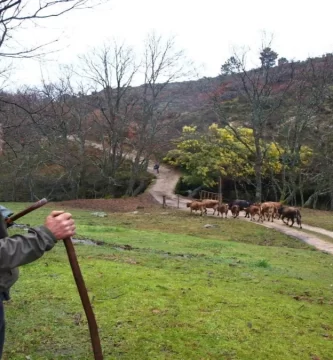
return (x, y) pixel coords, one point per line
(323, 219)
(176, 291)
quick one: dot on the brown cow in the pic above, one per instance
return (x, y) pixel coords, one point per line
(196, 206)
(210, 204)
(277, 206)
(254, 210)
(290, 213)
(247, 210)
(235, 210)
(223, 209)
(268, 209)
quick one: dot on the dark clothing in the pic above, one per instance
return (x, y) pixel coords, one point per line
(3, 296)
(2, 327)
(156, 167)
(20, 250)
(16, 251)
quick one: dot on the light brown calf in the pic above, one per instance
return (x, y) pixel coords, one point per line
(210, 204)
(277, 206)
(221, 209)
(254, 210)
(196, 206)
(269, 210)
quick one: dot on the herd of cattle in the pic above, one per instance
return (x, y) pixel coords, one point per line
(264, 211)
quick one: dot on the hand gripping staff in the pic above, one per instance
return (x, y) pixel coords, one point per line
(93, 329)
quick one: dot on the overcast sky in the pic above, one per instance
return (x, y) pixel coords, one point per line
(207, 30)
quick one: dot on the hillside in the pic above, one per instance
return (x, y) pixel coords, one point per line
(191, 101)
(289, 101)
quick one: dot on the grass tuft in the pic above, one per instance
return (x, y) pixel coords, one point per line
(262, 263)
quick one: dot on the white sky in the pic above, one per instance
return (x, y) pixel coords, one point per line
(206, 30)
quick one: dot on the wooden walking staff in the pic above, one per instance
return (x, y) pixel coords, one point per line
(93, 329)
(95, 341)
(26, 211)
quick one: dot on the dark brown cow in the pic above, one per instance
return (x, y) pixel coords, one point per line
(247, 210)
(290, 213)
(235, 210)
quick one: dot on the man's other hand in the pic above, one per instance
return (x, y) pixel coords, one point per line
(61, 224)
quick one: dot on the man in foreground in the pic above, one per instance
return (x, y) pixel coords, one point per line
(19, 250)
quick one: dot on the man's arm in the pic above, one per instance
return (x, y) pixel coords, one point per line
(19, 250)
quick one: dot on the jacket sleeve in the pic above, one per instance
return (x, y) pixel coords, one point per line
(19, 250)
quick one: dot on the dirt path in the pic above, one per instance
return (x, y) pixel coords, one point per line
(301, 235)
(166, 181)
(165, 184)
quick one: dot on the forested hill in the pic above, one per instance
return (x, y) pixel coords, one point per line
(45, 129)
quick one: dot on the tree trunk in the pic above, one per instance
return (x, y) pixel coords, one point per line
(331, 191)
(284, 184)
(276, 197)
(315, 199)
(140, 188)
(302, 196)
(309, 201)
(300, 188)
(258, 177)
(258, 166)
(236, 190)
(134, 174)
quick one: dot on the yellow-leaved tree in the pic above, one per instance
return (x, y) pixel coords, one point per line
(218, 152)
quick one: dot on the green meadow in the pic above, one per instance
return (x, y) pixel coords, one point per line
(165, 287)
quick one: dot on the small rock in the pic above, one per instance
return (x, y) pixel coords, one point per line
(82, 241)
(164, 213)
(209, 226)
(135, 212)
(99, 214)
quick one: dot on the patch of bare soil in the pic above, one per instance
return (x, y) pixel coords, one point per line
(144, 201)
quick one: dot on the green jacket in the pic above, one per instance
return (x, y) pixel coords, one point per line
(20, 250)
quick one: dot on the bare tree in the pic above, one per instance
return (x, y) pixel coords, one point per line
(163, 64)
(303, 118)
(261, 92)
(14, 14)
(110, 72)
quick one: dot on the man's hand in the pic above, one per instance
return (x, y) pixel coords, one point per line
(60, 224)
